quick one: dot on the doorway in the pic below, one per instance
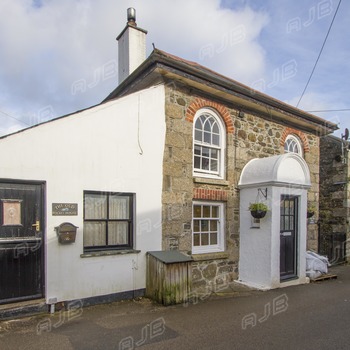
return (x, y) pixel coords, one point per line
(21, 241)
(288, 237)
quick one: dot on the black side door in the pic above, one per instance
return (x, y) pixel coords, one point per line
(21, 241)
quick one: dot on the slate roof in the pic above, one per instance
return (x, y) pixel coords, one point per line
(161, 66)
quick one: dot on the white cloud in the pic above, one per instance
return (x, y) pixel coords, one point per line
(49, 47)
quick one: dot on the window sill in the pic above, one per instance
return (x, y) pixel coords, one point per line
(109, 252)
(210, 181)
(210, 256)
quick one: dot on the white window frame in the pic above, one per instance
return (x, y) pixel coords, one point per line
(220, 246)
(220, 173)
(295, 140)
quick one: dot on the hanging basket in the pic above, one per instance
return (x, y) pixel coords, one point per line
(258, 210)
(258, 214)
(310, 214)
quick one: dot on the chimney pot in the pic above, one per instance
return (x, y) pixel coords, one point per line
(131, 12)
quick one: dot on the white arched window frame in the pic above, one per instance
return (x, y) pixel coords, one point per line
(293, 145)
(209, 144)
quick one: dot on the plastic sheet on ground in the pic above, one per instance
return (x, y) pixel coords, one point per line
(316, 265)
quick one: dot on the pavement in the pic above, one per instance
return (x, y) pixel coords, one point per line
(312, 316)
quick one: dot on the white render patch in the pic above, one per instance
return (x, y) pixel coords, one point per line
(283, 169)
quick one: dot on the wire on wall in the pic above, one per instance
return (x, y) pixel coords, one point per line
(138, 127)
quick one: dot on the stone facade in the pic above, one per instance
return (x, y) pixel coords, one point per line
(334, 197)
(248, 136)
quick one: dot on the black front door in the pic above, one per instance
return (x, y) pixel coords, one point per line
(21, 241)
(288, 237)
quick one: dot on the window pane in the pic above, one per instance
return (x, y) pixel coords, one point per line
(94, 234)
(197, 150)
(196, 241)
(197, 211)
(198, 135)
(216, 139)
(213, 225)
(95, 206)
(295, 148)
(207, 126)
(205, 164)
(204, 225)
(213, 238)
(214, 165)
(197, 162)
(214, 153)
(204, 239)
(207, 137)
(291, 207)
(119, 207)
(206, 211)
(198, 124)
(215, 212)
(117, 233)
(205, 151)
(286, 223)
(196, 226)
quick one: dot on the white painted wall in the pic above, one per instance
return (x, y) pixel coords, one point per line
(117, 146)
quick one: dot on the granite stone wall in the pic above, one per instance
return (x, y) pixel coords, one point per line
(248, 136)
(334, 196)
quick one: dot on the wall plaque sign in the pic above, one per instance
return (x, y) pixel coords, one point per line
(64, 209)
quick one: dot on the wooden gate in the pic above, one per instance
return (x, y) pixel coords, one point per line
(21, 241)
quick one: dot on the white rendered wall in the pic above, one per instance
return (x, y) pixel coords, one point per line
(117, 146)
(255, 254)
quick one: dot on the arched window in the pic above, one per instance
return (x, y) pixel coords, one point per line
(293, 145)
(208, 144)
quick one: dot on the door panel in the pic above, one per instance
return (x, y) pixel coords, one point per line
(21, 241)
(288, 237)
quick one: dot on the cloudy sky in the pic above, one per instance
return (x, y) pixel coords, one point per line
(60, 56)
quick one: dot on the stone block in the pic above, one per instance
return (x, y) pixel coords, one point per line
(210, 271)
(174, 111)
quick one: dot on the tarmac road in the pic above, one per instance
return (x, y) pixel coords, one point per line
(313, 316)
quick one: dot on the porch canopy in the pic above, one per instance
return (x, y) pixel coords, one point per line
(286, 169)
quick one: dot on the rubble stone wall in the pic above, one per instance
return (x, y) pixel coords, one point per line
(247, 137)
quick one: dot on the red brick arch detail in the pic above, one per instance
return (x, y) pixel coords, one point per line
(300, 134)
(199, 103)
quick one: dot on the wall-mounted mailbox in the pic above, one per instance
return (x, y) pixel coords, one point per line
(66, 233)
